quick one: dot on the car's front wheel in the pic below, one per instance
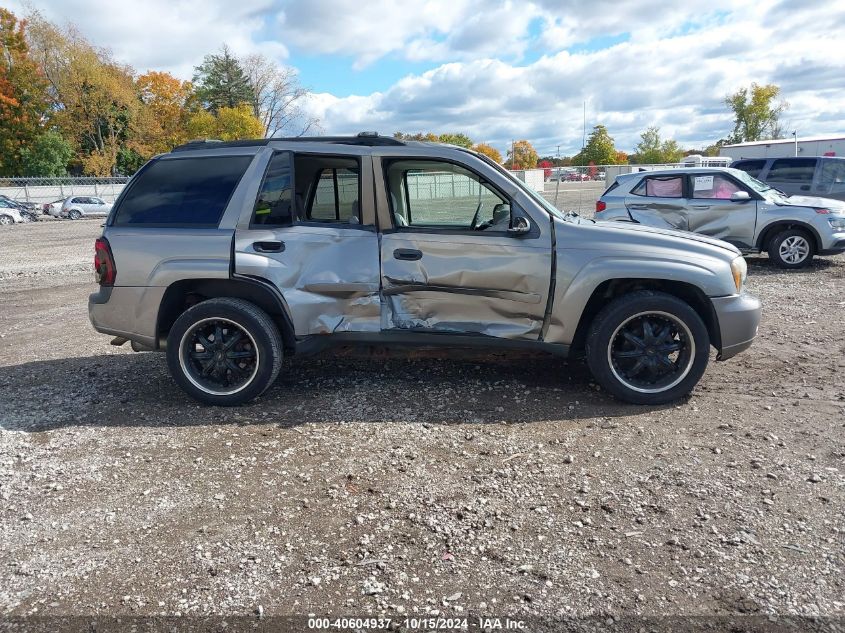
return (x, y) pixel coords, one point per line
(74, 214)
(791, 248)
(224, 351)
(648, 348)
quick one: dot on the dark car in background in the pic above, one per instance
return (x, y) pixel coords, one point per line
(821, 176)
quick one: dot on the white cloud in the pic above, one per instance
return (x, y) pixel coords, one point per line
(676, 82)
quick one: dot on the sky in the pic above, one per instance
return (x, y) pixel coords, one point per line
(503, 71)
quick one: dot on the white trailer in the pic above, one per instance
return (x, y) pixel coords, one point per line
(784, 148)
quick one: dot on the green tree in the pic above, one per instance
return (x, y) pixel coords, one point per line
(522, 155)
(48, 155)
(599, 149)
(459, 139)
(221, 82)
(651, 150)
(23, 102)
(756, 114)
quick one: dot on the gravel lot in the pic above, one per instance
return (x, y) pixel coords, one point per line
(410, 486)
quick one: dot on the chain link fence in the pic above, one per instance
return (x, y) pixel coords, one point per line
(43, 190)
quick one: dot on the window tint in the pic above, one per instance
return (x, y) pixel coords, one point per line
(183, 191)
(335, 197)
(660, 187)
(273, 205)
(443, 195)
(714, 186)
(792, 170)
(833, 172)
(750, 167)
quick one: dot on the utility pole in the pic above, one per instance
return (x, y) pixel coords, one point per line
(795, 136)
(513, 154)
(584, 135)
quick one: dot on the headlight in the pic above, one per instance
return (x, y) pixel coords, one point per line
(740, 271)
(837, 222)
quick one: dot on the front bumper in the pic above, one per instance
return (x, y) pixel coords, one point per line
(738, 317)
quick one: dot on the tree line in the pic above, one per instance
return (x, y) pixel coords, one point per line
(66, 106)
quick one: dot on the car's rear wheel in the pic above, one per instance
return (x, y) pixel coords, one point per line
(648, 348)
(224, 351)
(791, 248)
(74, 214)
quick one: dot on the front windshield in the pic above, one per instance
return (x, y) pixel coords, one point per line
(548, 206)
(753, 183)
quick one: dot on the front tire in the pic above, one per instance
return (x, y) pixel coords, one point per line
(74, 215)
(648, 348)
(224, 352)
(792, 248)
(6, 220)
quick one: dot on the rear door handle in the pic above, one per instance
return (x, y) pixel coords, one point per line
(638, 207)
(805, 187)
(268, 247)
(407, 254)
(701, 206)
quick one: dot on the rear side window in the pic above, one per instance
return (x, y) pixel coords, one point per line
(610, 188)
(336, 196)
(660, 187)
(190, 192)
(792, 170)
(750, 167)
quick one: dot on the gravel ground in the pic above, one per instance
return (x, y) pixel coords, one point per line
(414, 486)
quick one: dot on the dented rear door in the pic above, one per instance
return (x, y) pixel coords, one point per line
(659, 201)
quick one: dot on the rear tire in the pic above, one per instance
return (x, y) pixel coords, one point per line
(792, 248)
(648, 348)
(224, 352)
(6, 220)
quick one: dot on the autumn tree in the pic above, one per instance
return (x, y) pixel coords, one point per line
(229, 124)
(94, 100)
(599, 149)
(460, 139)
(756, 113)
(164, 115)
(522, 155)
(489, 151)
(221, 82)
(277, 96)
(23, 101)
(452, 138)
(652, 150)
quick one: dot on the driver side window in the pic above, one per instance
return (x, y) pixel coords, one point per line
(438, 195)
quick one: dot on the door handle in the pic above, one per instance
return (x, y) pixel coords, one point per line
(268, 247)
(407, 254)
(701, 206)
(638, 207)
(805, 187)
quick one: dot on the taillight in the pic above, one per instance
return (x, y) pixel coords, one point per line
(104, 270)
(600, 206)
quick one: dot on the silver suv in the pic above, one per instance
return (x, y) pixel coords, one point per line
(229, 256)
(730, 205)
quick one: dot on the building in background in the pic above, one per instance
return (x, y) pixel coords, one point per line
(809, 146)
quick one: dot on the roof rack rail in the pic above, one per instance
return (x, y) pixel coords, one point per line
(367, 139)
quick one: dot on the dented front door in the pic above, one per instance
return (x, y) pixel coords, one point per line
(441, 275)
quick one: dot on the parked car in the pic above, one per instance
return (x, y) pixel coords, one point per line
(577, 176)
(10, 213)
(53, 208)
(229, 256)
(822, 176)
(730, 205)
(77, 207)
(23, 205)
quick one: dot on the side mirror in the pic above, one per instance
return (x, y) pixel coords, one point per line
(740, 196)
(520, 226)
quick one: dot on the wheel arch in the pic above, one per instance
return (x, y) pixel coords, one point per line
(185, 293)
(611, 289)
(781, 225)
